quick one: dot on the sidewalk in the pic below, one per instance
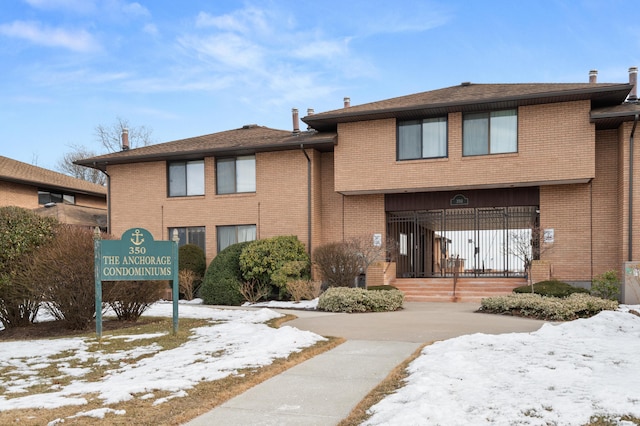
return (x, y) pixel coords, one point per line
(324, 389)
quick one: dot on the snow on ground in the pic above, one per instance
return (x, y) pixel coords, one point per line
(561, 374)
(236, 339)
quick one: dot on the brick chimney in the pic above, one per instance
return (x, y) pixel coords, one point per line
(633, 80)
(296, 124)
(125, 139)
(593, 76)
(347, 102)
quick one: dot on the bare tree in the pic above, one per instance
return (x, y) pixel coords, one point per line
(110, 136)
(110, 139)
(65, 165)
(371, 249)
(527, 245)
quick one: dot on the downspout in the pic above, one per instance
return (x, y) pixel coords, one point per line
(308, 198)
(630, 236)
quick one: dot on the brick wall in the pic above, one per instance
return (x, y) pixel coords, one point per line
(278, 207)
(14, 194)
(556, 142)
(566, 210)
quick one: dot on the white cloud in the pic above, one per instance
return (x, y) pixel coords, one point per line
(248, 20)
(78, 40)
(226, 49)
(75, 5)
(150, 29)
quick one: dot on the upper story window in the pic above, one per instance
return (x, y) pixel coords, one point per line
(422, 138)
(186, 178)
(46, 197)
(236, 174)
(493, 132)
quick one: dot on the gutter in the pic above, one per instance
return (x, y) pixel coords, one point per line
(308, 198)
(630, 236)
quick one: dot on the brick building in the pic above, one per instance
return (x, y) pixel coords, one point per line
(48, 193)
(469, 173)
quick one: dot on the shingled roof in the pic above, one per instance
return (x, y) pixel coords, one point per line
(469, 97)
(248, 139)
(23, 173)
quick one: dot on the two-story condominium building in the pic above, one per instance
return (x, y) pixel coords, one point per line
(460, 179)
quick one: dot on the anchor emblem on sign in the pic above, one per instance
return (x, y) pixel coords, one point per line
(136, 238)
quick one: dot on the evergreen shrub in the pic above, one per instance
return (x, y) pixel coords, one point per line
(342, 299)
(577, 305)
(21, 232)
(222, 281)
(274, 261)
(551, 288)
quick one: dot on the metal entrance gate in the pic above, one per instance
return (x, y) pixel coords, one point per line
(475, 241)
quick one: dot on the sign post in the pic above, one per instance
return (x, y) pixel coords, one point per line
(135, 257)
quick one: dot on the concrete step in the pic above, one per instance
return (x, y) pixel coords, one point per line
(467, 289)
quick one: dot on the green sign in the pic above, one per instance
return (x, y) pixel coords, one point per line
(135, 257)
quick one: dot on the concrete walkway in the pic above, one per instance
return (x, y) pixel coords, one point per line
(323, 390)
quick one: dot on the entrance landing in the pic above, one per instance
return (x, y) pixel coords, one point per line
(467, 289)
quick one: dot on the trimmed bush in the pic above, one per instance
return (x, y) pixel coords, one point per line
(577, 305)
(551, 288)
(338, 264)
(222, 281)
(606, 285)
(192, 258)
(382, 287)
(341, 299)
(263, 261)
(129, 299)
(21, 232)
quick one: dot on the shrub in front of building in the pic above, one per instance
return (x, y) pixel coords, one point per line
(343, 299)
(223, 279)
(338, 264)
(191, 258)
(129, 299)
(606, 285)
(275, 261)
(21, 232)
(551, 288)
(62, 271)
(577, 305)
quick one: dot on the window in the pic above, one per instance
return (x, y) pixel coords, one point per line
(422, 138)
(45, 197)
(186, 178)
(190, 235)
(228, 235)
(490, 133)
(236, 174)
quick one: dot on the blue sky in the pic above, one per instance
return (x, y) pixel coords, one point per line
(193, 67)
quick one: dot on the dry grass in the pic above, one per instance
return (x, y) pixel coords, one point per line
(394, 381)
(200, 399)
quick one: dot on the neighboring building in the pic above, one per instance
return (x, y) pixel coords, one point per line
(467, 172)
(48, 193)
